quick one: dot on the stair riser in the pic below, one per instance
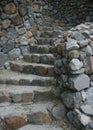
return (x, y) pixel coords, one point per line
(34, 96)
(34, 82)
(46, 41)
(29, 69)
(15, 122)
(39, 59)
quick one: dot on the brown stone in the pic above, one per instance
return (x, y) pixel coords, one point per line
(36, 8)
(39, 118)
(51, 71)
(6, 23)
(34, 28)
(4, 96)
(73, 54)
(60, 48)
(90, 64)
(16, 67)
(27, 97)
(41, 70)
(28, 34)
(22, 9)
(2, 34)
(32, 40)
(16, 19)
(10, 8)
(15, 122)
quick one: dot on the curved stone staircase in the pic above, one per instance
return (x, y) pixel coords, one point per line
(26, 90)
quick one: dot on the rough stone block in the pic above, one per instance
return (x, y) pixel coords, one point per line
(79, 82)
(15, 122)
(3, 58)
(15, 53)
(39, 118)
(4, 96)
(10, 8)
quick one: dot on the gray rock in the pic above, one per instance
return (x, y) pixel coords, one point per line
(84, 43)
(2, 124)
(86, 33)
(88, 96)
(81, 71)
(87, 109)
(77, 36)
(79, 82)
(57, 65)
(27, 24)
(11, 32)
(82, 27)
(24, 41)
(75, 64)
(24, 49)
(72, 117)
(89, 50)
(59, 112)
(3, 40)
(8, 46)
(91, 124)
(71, 99)
(3, 58)
(71, 44)
(15, 53)
(78, 119)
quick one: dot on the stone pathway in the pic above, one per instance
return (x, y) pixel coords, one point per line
(26, 91)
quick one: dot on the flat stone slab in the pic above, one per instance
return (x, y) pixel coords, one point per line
(16, 93)
(23, 109)
(32, 68)
(40, 127)
(15, 78)
(39, 58)
(87, 109)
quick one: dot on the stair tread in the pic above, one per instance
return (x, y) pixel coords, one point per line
(17, 89)
(32, 64)
(23, 109)
(49, 54)
(41, 127)
(8, 74)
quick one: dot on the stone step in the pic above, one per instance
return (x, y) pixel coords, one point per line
(32, 68)
(39, 58)
(15, 78)
(46, 40)
(41, 127)
(17, 94)
(43, 49)
(17, 115)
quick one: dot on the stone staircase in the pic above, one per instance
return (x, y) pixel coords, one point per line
(26, 90)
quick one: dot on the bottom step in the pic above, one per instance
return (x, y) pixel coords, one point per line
(40, 127)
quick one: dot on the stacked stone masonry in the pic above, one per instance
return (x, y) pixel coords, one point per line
(74, 75)
(46, 72)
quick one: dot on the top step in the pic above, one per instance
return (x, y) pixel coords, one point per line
(46, 41)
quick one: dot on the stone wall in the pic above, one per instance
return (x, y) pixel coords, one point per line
(74, 74)
(18, 25)
(71, 12)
